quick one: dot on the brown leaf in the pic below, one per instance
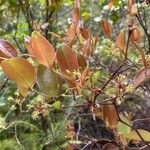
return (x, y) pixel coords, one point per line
(85, 33)
(135, 36)
(41, 49)
(110, 146)
(82, 62)
(86, 48)
(133, 10)
(71, 33)
(110, 115)
(121, 40)
(141, 76)
(107, 28)
(7, 50)
(67, 60)
(76, 16)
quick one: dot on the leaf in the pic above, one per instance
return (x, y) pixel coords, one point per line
(56, 105)
(85, 33)
(130, 4)
(86, 48)
(106, 27)
(41, 49)
(110, 146)
(67, 60)
(82, 61)
(23, 91)
(134, 136)
(110, 115)
(122, 128)
(20, 71)
(135, 36)
(71, 33)
(85, 75)
(141, 76)
(47, 81)
(7, 50)
(121, 40)
(134, 10)
(76, 16)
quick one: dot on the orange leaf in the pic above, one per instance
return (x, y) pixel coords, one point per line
(67, 60)
(71, 33)
(141, 76)
(135, 35)
(133, 10)
(41, 49)
(76, 16)
(86, 48)
(20, 71)
(106, 27)
(130, 4)
(7, 50)
(110, 115)
(121, 40)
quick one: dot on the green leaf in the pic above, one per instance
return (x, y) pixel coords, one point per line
(56, 105)
(122, 128)
(47, 81)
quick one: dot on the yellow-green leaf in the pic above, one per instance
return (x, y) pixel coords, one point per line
(134, 136)
(20, 71)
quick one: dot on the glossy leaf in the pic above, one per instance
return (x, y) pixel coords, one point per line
(47, 81)
(67, 60)
(106, 27)
(7, 50)
(41, 49)
(110, 115)
(141, 76)
(134, 136)
(20, 71)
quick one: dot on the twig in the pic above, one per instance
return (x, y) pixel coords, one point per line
(17, 138)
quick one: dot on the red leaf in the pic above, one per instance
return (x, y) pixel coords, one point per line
(7, 50)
